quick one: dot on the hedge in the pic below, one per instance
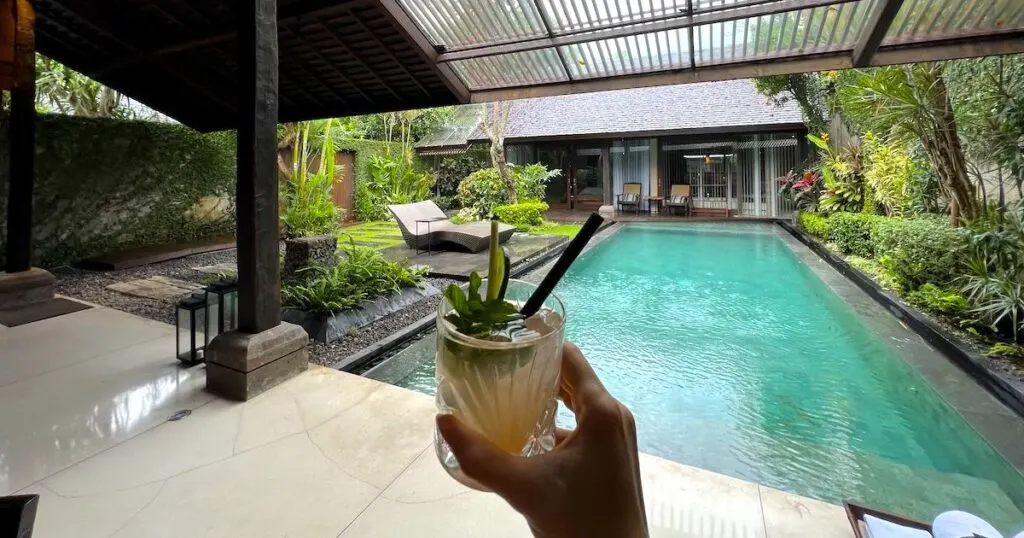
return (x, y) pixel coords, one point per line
(851, 233)
(523, 216)
(911, 252)
(814, 224)
(917, 251)
(103, 185)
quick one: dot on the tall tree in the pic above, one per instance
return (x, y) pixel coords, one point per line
(64, 90)
(988, 100)
(494, 124)
(807, 89)
(911, 102)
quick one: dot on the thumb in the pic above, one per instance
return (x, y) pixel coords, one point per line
(480, 460)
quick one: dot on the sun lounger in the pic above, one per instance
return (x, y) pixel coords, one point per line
(678, 197)
(425, 226)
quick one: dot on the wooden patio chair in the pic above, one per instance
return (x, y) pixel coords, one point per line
(679, 197)
(630, 197)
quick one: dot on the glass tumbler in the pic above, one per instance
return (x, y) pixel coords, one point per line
(505, 390)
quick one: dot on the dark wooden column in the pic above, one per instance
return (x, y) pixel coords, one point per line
(22, 138)
(259, 283)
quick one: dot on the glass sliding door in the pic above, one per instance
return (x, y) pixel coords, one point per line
(709, 168)
(631, 163)
(556, 157)
(588, 178)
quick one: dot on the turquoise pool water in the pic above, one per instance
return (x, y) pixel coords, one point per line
(736, 358)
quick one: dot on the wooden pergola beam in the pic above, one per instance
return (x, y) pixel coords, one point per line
(874, 31)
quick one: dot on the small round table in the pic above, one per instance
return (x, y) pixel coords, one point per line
(654, 202)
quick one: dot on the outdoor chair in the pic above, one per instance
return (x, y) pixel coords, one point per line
(679, 197)
(630, 197)
(425, 226)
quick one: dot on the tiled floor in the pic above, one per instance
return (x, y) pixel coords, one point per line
(83, 406)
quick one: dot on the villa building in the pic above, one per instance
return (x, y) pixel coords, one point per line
(723, 138)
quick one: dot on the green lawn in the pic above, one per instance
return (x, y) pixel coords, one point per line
(380, 235)
(557, 228)
(377, 235)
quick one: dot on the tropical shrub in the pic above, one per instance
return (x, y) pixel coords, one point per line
(994, 266)
(398, 181)
(363, 274)
(841, 173)
(483, 190)
(309, 205)
(916, 250)
(813, 223)
(531, 180)
(938, 300)
(804, 191)
(889, 171)
(872, 268)
(523, 216)
(851, 232)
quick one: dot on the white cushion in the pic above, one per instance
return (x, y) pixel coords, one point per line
(629, 197)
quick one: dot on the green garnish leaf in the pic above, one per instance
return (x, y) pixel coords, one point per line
(472, 315)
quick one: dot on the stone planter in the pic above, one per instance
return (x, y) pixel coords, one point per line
(303, 252)
(330, 327)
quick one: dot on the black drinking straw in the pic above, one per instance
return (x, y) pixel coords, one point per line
(540, 295)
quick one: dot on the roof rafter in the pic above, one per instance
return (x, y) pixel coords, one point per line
(874, 31)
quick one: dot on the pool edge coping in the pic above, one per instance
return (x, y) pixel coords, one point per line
(950, 345)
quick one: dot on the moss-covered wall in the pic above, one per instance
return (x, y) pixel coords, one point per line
(104, 185)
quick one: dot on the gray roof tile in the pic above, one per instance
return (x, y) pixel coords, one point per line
(704, 105)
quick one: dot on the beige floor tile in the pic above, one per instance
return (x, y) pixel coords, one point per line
(424, 481)
(92, 516)
(286, 488)
(467, 514)
(63, 416)
(43, 346)
(684, 501)
(792, 516)
(267, 418)
(379, 437)
(207, 436)
(322, 393)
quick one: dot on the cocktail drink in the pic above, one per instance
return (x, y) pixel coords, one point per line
(499, 376)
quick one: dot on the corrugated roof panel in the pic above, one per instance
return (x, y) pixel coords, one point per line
(921, 20)
(631, 54)
(804, 31)
(465, 23)
(573, 15)
(514, 69)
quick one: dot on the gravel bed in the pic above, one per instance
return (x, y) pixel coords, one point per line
(328, 354)
(92, 285)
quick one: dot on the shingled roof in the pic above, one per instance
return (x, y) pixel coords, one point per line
(709, 107)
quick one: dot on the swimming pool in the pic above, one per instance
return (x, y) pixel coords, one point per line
(735, 357)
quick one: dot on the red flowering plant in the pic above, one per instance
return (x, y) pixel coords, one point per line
(803, 190)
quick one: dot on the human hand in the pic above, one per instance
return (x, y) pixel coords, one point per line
(588, 486)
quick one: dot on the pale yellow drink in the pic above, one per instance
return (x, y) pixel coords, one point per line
(503, 385)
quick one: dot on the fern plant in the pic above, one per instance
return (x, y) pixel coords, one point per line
(362, 274)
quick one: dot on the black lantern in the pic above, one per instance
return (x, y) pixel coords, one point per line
(221, 307)
(191, 321)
